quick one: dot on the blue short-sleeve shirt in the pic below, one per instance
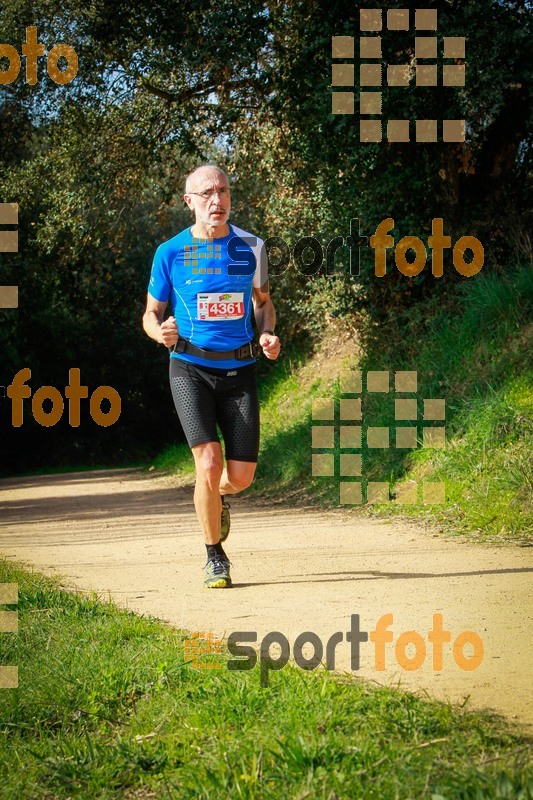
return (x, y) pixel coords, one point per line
(208, 283)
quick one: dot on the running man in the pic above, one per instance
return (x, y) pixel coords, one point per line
(212, 274)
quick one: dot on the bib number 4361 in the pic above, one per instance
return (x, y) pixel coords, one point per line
(228, 305)
(226, 309)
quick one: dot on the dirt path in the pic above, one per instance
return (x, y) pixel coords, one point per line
(135, 537)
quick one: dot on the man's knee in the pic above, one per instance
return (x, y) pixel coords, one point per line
(208, 459)
(241, 474)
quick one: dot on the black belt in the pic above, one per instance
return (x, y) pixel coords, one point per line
(246, 351)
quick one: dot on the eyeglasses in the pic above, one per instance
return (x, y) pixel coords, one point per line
(208, 194)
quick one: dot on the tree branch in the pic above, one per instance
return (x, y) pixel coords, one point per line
(188, 94)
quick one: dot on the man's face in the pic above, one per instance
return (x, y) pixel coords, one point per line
(208, 196)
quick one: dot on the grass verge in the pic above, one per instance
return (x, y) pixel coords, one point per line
(109, 707)
(476, 357)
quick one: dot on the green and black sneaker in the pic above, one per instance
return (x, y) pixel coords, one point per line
(216, 573)
(225, 520)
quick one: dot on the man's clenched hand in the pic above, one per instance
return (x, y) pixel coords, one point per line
(169, 332)
(271, 345)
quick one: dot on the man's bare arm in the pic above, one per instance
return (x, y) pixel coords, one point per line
(265, 316)
(162, 332)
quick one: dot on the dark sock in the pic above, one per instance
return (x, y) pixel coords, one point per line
(214, 550)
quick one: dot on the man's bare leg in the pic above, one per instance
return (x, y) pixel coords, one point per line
(236, 476)
(214, 480)
(207, 502)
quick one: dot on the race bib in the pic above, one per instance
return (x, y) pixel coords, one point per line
(228, 305)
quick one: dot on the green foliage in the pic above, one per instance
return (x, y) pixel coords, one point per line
(319, 176)
(109, 707)
(97, 166)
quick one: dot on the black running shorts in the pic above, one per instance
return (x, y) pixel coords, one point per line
(205, 396)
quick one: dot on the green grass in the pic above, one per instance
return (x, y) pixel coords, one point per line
(176, 458)
(476, 356)
(109, 707)
(479, 360)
